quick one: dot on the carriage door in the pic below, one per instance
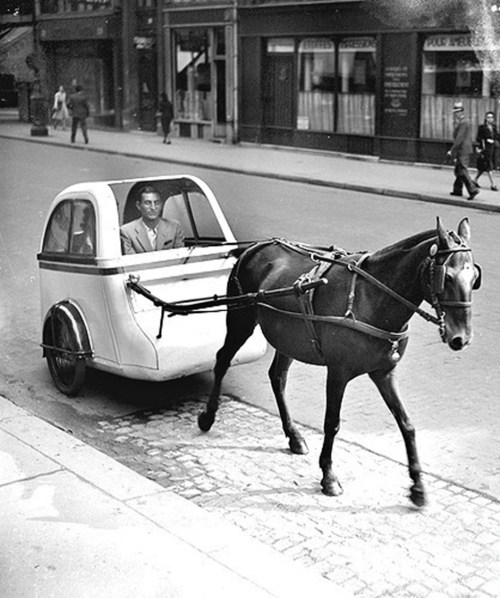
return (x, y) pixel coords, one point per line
(279, 84)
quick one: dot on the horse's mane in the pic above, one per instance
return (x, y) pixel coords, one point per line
(407, 244)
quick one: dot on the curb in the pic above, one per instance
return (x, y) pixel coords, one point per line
(394, 193)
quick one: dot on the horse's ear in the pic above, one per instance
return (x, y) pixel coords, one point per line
(464, 230)
(443, 236)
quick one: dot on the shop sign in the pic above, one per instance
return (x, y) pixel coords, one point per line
(358, 44)
(396, 86)
(453, 43)
(319, 44)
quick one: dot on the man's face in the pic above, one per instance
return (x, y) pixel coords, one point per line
(150, 206)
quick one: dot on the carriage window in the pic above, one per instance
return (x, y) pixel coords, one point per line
(195, 216)
(57, 235)
(83, 230)
(71, 229)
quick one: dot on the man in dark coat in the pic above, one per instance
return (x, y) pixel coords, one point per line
(150, 232)
(79, 107)
(460, 152)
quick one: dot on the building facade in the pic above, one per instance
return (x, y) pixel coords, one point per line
(200, 66)
(340, 75)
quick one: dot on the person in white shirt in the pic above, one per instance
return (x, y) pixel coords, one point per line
(60, 113)
(150, 232)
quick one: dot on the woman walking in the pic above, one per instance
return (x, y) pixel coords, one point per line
(487, 138)
(60, 114)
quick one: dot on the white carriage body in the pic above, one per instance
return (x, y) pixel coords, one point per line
(122, 326)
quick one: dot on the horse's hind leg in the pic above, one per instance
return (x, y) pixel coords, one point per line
(386, 383)
(240, 326)
(278, 373)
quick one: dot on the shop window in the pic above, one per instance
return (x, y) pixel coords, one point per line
(451, 71)
(316, 80)
(193, 94)
(357, 72)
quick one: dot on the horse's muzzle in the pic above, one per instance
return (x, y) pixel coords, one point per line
(459, 342)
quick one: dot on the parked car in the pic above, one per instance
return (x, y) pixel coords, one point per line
(92, 316)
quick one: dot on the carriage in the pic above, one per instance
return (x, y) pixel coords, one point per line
(94, 313)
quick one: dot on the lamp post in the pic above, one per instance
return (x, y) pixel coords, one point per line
(38, 102)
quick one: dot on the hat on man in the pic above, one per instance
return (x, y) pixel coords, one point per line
(458, 107)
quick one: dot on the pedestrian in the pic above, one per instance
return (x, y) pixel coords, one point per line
(166, 112)
(60, 114)
(460, 153)
(487, 139)
(80, 111)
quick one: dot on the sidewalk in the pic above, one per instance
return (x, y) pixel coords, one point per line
(355, 173)
(75, 522)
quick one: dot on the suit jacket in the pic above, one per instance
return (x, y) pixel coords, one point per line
(134, 236)
(79, 105)
(462, 141)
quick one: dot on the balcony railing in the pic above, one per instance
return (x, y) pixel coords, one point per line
(65, 6)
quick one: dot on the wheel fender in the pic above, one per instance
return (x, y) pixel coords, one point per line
(69, 312)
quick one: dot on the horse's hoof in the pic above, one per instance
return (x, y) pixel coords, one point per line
(417, 496)
(331, 488)
(298, 445)
(205, 421)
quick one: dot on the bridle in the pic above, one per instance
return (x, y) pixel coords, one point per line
(436, 272)
(437, 277)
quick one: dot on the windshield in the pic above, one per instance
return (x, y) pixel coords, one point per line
(184, 202)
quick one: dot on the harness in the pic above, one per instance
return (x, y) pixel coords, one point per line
(436, 277)
(306, 284)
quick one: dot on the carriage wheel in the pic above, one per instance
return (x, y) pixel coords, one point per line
(67, 369)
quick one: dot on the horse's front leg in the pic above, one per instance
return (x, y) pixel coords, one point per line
(278, 373)
(386, 383)
(335, 387)
(240, 326)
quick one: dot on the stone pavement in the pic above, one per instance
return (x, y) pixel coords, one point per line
(370, 542)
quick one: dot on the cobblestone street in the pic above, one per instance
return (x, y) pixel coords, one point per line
(371, 541)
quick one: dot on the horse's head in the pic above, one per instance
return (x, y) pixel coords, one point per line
(452, 276)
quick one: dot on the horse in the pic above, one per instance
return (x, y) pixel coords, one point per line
(352, 318)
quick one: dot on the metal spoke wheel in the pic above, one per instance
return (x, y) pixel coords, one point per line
(67, 367)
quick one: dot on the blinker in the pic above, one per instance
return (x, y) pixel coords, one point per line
(479, 276)
(438, 279)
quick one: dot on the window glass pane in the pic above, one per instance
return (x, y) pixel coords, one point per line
(193, 81)
(357, 73)
(316, 84)
(57, 235)
(195, 216)
(83, 231)
(451, 71)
